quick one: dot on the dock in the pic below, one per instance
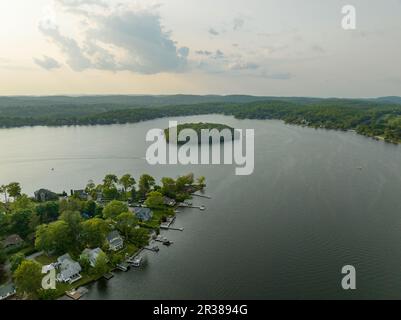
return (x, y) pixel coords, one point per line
(153, 249)
(77, 294)
(185, 205)
(123, 266)
(202, 196)
(108, 276)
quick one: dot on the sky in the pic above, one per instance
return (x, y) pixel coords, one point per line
(258, 47)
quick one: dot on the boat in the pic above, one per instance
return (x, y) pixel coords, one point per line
(137, 262)
(203, 208)
(167, 243)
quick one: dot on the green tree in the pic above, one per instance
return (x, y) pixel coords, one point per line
(73, 220)
(90, 208)
(110, 180)
(85, 263)
(4, 191)
(55, 238)
(146, 183)
(201, 182)
(139, 237)
(169, 187)
(93, 233)
(21, 222)
(101, 266)
(126, 222)
(14, 189)
(22, 203)
(48, 211)
(16, 260)
(28, 278)
(154, 200)
(127, 182)
(114, 208)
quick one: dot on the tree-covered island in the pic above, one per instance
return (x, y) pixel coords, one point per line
(85, 234)
(197, 128)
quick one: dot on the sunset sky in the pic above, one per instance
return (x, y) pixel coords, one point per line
(260, 47)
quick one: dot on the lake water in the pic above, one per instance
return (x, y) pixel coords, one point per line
(284, 232)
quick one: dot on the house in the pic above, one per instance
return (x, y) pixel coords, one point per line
(7, 291)
(115, 241)
(69, 269)
(44, 195)
(92, 255)
(12, 241)
(169, 202)
(81, 194)
(143, 214)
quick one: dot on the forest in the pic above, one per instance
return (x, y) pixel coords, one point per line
(377, 118)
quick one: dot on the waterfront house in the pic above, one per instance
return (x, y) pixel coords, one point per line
(143, 214)
(44, 195)
(81, 194)
(169, 202)
(69, 269)
(12, 241)
(92, 255)
(7, 291)
(115, 241)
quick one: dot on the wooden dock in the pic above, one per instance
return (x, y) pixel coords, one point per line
(202, 196)
(77, 294)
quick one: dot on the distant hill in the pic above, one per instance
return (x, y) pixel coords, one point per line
(390, 99)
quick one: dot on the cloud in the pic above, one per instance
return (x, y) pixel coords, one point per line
(213, 32)
(47, 63)
(240, 65)
(119, 40)
(204, 53)
(74, 55)
(238, 23)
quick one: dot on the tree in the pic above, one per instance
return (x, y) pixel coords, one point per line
(21, 222)
(155, 200)
(139, 237)
(71, 204)
(93, 233)
(101, 266)
(201, 182)
(48, 211)
(126, 222)
(54, 238)
(84, 262)
(3, 190)
(114, 208)
(127, 182)
(28, 278)
(14, 189)
(90, 208)
(110, 180)
(22, 203)
(3, 259)
(184, 181)
(73, 220)
(146, 183)
(16, 260)
(169, 187)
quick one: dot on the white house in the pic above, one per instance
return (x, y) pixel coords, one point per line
(92, 255)
(115, 241)
(69, 269)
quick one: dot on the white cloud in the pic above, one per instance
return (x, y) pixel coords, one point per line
(47, 63)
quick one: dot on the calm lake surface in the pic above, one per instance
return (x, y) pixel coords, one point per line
(284, 232)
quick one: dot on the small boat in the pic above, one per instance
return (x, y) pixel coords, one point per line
(167, 243)
(137, 262)
(203, 208)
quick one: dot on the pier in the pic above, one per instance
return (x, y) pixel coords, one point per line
(201, 196)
